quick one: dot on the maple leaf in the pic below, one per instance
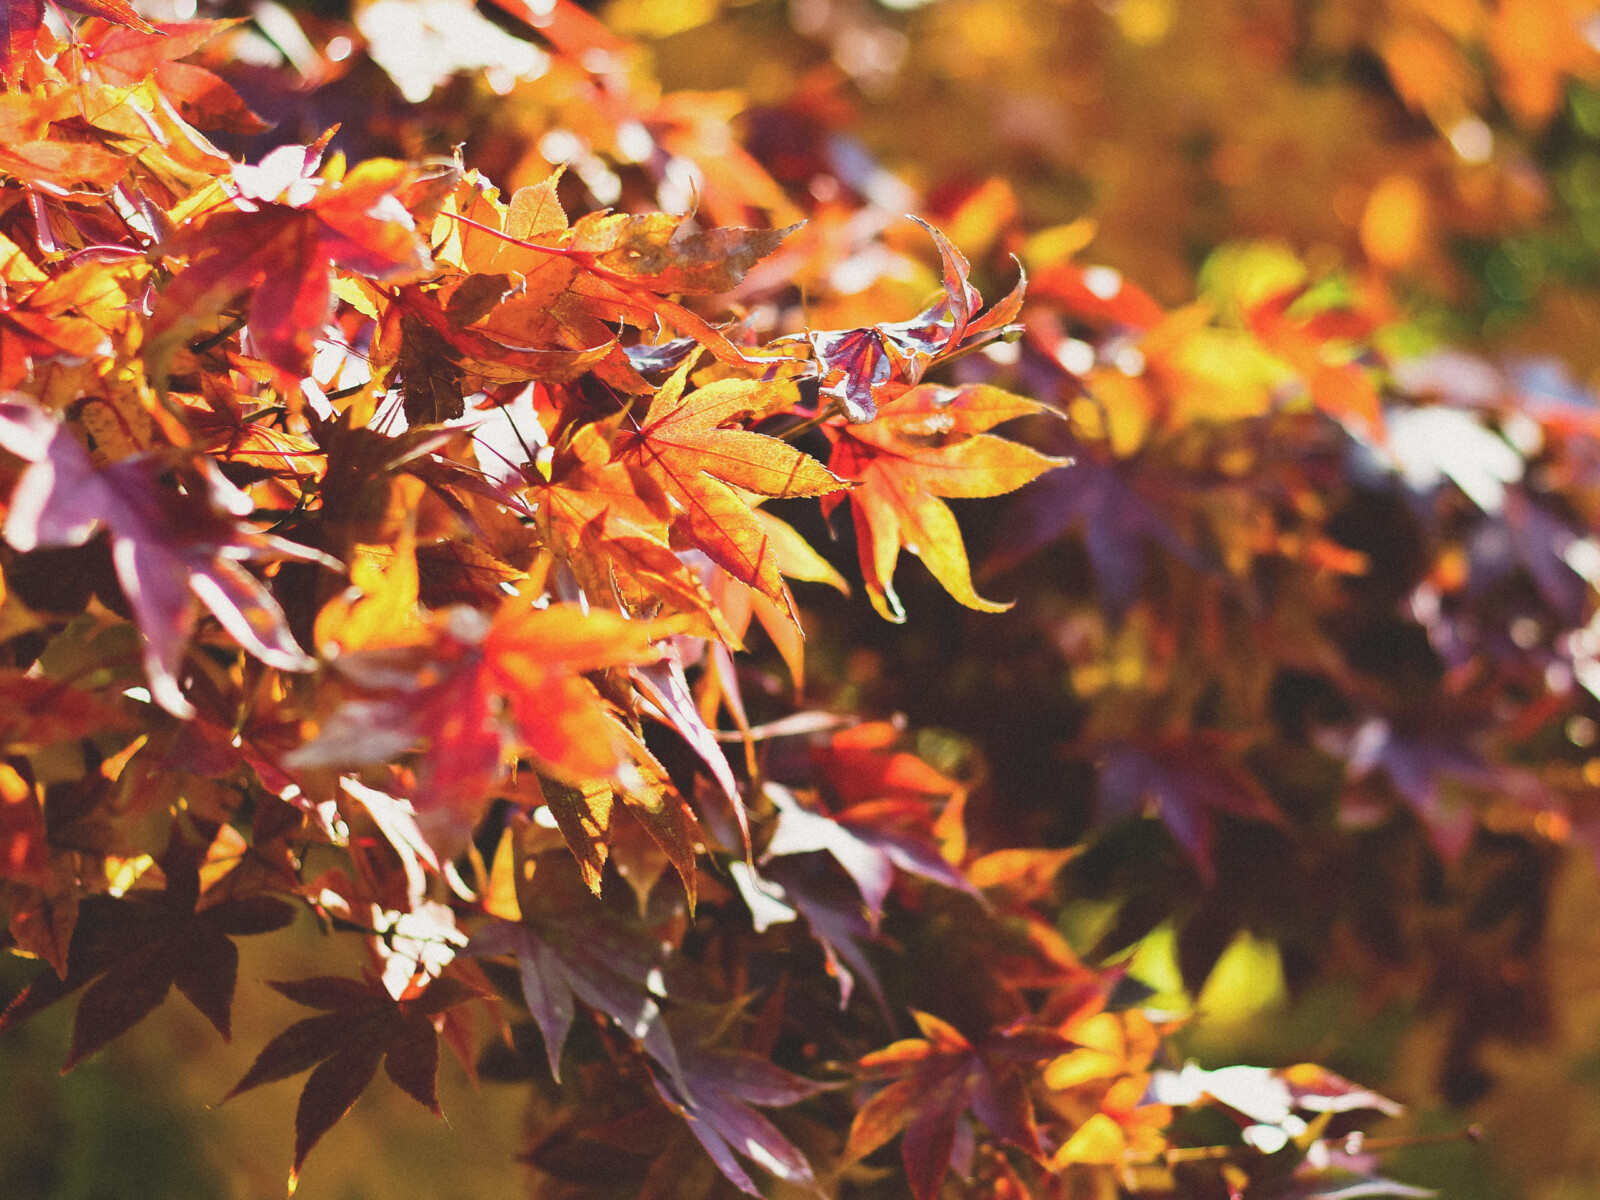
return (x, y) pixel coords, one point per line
(854, 364)
(864, 763)
(615, 544)
(716, 1095)
(451, 351)
(480, 687)
(1343, 390)
(1188, 782)
(587, 819)
(681, 443)
(28, 152)
(801, 831)
(170, 548)
(836, 917)
(612, 254)
(606, 268)
(395, 823)
(933, 1082)
(610, 516)
(20, 21)
(567, 948)
(663, 833)
(37, 324)
(287, 230)
(1109, 502)
(864, 840)
(44, 918)
(894, 799)
(1096, 295)
(1420, 753)
(361, 1027)
(649, 251)
(1530, 535)
(665, 686)
(431, 384)
(888, 818)
(35, 712)
(268, 449)
(126, 56)
(516, 312)
(131, 952)
(929, 443)
(609, 523)
(363, 501)
(739, 604)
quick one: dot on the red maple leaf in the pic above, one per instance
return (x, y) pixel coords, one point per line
(481, 688)
(20, 21)
(286, 229)
(127, 55)
(934, 1081)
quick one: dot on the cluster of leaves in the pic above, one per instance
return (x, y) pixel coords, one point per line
(388, 548)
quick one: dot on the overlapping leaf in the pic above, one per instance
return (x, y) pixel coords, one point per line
(128, 53)
(567, 284)
(868, 840)
(287, 228)
(569, 950)
(171, 548)
(481, 689)
(23, 18)
(855, 364)
(131, 953)
(932, 1084)
(684, 443)
(718, 1095)
(611, 525)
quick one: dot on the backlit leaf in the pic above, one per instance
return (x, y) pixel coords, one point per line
(930, 442)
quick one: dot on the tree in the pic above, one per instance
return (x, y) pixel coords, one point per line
(465, 511)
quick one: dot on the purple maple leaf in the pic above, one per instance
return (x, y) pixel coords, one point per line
(172, 546)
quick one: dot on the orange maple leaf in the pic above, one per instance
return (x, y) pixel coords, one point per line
(609, 523)
(570, 283)
(927, 443)
(683, 444)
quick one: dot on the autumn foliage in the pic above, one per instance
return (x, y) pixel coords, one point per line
(464, 509)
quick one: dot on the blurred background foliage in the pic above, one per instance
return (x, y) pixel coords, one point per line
(1261, 589)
